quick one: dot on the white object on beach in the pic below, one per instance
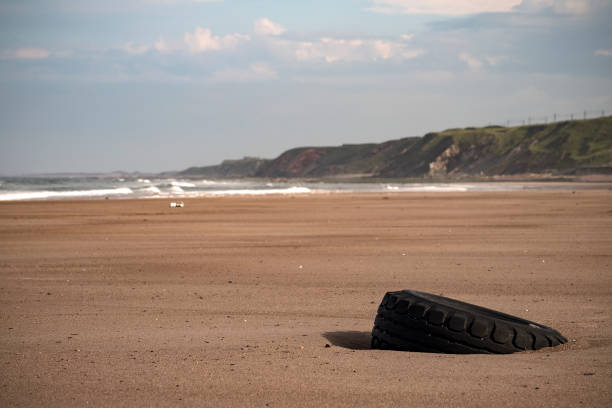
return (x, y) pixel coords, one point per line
(177, 204)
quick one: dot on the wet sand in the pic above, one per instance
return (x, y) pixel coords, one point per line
(232, 301)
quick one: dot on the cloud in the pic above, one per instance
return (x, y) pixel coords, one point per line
(263, 26)
(445, 7)
(560, 6)
(134, 49)
(335, 50)
(472, 62)
(494, 60)
(26, 53)
(605, 53)
(465, 7)
(476, 63)
(162, 46)
(202, 40)
(255, 72)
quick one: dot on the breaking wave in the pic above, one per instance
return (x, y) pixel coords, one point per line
(38, 195)
(290, 190)
(182, 184)
(56, 188)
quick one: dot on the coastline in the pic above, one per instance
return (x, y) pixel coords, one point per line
(231, 300)
(25, 189)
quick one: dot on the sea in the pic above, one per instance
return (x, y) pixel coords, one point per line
(105, 187)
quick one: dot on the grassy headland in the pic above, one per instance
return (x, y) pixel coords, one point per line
(562, 149)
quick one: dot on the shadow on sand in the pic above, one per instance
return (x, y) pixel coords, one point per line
(354, 340)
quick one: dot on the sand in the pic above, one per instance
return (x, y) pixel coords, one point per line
(232, 301)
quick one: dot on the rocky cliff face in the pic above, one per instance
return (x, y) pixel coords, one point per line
(246, 167)
(570, 147)
(439, 167)
(560, 148)
(362, 159)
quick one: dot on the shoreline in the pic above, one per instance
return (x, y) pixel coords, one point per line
(298, 188)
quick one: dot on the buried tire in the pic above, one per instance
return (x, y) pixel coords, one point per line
(419, 321)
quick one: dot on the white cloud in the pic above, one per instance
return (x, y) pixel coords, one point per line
(471, 61)
(462, 7)
(162, 46)
(494, 60)
(26, 53)
(605, 53)
(412, 53)
(263, 26)
(560, 6)
(324, 49)
(334, 50)
(476, 63)
(255, 72)
(134, 49)
(446, 7)
(202, 40)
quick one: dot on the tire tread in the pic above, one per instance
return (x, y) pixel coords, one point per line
(407, 321)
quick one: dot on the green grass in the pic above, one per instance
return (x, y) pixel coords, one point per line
(490, 150)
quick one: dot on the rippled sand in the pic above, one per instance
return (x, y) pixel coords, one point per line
(231, 301)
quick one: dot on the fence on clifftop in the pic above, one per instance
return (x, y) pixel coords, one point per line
(553, 118)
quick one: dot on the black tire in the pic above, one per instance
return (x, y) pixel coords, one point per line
(419, 321)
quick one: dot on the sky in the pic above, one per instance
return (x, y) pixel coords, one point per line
(159, 85)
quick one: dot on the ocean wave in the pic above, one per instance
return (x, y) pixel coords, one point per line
(38, 195)
(289, 190)
(151, 189)
(182, 184)
(177, 189)
(212, 182)
(425, 188)
(146, 181)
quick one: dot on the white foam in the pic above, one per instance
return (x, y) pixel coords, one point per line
(182, 184)
(147, 181)
(152, 189)
(38, 195)
(176, 189)
(424, 188)
(211, 182)
(290, 190)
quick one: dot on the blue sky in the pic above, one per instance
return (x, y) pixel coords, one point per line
(154, 85)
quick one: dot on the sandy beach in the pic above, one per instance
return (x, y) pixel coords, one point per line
(269, 301)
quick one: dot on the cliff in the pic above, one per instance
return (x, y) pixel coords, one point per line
(563, 148)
